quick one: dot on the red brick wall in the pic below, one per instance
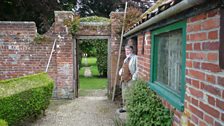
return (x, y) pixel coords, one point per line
(144, 56)
(204, 97)
(19, 54)
(64, 55)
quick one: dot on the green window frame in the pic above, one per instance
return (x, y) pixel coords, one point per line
(175, 99)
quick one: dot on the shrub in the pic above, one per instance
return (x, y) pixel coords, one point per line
(73, 25)
(3, 123)
(145, 108)
(101, 51)
(24, 97)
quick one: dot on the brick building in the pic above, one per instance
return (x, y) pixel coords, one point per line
(180, 53)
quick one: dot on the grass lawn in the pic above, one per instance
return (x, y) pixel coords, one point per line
(91, 61)
(94, 82)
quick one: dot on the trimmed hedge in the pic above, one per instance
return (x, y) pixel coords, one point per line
(24, 97)
(145, 108)
(3, 123)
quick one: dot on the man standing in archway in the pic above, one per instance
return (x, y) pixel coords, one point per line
(128, 73)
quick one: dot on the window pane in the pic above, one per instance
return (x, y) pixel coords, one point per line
(169, 59)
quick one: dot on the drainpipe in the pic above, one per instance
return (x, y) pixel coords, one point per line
(183, 5)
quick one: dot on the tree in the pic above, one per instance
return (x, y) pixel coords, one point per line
(101, 8)
(133, 15)
(40, 11)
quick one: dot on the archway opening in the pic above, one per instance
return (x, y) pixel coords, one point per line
(92, 61)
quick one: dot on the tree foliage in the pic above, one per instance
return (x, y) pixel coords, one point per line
(87, 46)
(40, 11)
(101, 8)
(132, 17)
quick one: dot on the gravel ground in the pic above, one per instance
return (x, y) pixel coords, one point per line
(91, 110)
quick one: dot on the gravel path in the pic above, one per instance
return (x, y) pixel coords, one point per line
(91, 110)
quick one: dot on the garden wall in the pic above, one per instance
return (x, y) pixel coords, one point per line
(21, 55)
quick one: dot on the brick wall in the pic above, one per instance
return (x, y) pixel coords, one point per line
(144, 51)
(19, 54)
(204, 97)
(64, 55)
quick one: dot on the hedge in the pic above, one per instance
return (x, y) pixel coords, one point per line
(101, 55)
(3, 123)
(145, 108)
(24, 97)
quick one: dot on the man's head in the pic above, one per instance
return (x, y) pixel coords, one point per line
(128, 50)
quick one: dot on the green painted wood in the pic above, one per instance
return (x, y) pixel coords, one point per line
(177, 100)
(170, 97)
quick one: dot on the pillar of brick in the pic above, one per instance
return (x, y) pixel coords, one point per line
(116, 27)
(64, 87)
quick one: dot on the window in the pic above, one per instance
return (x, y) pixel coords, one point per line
(168, 63)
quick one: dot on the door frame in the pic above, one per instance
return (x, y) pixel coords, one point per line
(75, 52)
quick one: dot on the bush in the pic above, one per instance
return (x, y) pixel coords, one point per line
(145, 108)
(3, 123)
(87, 46)
(24, 97)
(101, 51)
